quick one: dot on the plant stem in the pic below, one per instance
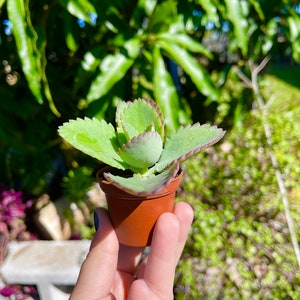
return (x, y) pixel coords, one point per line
(263, 109)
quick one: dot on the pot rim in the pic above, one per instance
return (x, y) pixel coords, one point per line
(114, 189)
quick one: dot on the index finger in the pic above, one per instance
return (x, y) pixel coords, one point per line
(162, 260)
(184, 213)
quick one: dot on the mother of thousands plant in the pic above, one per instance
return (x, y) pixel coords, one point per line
(145, 157)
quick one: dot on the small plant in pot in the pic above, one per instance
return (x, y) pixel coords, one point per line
(143, 163)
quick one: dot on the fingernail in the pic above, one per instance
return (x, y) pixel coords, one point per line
(96, 220)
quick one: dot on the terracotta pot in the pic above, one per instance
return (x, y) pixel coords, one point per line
(134, 217)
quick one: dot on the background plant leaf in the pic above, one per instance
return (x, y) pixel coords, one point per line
(191, 66)
(88, 66)
(31, 47)
(185, 41)
(70, 34)
(210, 8)
(26, 45)
(81, 9)
(162, 16)
(112, 69)
(294, 26)
(164, 91)
(143, 7)
(2, 2)
(235, 14)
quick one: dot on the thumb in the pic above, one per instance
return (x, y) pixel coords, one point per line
(98, 270)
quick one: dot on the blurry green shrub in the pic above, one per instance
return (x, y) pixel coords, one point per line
(77, 183)
(74, 58)
(239, 246)
(75, 187)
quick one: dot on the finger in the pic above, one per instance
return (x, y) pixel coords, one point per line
(129, 258)
(185, 215)
(160, 268)
(93, 282)
(127, 262)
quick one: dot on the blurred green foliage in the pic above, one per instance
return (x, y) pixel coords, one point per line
(239, 246)
(64, 59)
(77, 183)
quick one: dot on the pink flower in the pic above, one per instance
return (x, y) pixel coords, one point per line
(11, 206)
(9, 290)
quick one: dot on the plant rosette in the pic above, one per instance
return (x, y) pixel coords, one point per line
(144, 160)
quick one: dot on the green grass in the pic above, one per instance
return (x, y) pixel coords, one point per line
(281, 86)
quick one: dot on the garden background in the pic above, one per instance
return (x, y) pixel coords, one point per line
(232, 63)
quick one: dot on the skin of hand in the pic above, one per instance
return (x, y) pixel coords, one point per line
(113, 271)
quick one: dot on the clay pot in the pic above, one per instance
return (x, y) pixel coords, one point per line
(134, 217)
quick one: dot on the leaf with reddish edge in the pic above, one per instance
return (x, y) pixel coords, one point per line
(95, 138)
(137, 117)
(188, 141)
(143, 151)
(144, 186)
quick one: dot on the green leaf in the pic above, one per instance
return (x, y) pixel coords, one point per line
(2, 3)
(142, 8)
(185, 41)
(42, 63)
(257, 7)
(81, 9)
(147, 6)
(90, 60)
(70, 37)
(26, 46)
(112, 69)
(88, 66)
(187, 141)
(137, 117)
(191, 66)
(270, 34)
(211, 10)
(240, 24)
(31, 49)
(164, 91)
(144, 186)
(142, 151)
(163, 16)
(95, 138)
(294, 26)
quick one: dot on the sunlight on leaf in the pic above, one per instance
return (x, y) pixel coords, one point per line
(139, 116)
(142, 151)
(187, 141)
(143, 186)
(95, 138)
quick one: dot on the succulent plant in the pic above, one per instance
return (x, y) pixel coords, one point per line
(146, 158)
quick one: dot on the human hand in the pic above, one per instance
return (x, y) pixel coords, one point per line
(112, 271)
